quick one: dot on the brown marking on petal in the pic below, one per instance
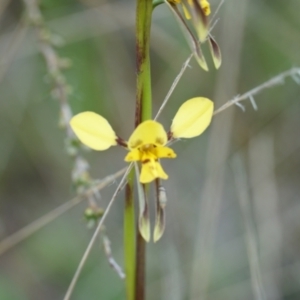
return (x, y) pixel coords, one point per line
(159, 140)
(135, 144)
(145, 161)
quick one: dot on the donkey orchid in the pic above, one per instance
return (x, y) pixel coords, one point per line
(147, 143)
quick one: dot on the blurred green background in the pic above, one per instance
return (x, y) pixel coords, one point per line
(233, 213)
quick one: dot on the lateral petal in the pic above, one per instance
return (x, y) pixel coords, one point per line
(93, 130)
(192, 118)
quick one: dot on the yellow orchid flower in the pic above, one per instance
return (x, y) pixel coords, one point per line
(147, 144)
(197, 11)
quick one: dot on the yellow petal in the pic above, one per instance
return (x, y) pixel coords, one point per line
(192, 118)
(133, 155)
(205, 6)
(165, 152)
(148, 132)
(160, 172)
(151, 170)
(93, 130)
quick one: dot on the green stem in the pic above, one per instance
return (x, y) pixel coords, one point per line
(157, 2)
(143, 112)
(129, 237)
(143, 92)
(135, 258)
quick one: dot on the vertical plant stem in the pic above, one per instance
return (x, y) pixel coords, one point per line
(140, 267)
(143, 92)
(129, 237)
(143, 112)
(135, 249)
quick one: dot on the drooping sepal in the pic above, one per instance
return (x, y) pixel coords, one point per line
(144, 218)
(160, 223)
(215, 52)
(160, 218)
(200, 57)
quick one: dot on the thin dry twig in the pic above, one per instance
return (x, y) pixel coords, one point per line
(173, 86)
(216, 12)
(279, 79)
(93, 239)
(30, 229)
(112, 262)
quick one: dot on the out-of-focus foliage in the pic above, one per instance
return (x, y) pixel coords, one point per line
(263, 40)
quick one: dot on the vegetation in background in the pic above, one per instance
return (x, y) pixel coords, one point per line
(232, 215)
